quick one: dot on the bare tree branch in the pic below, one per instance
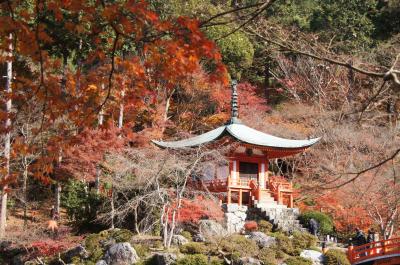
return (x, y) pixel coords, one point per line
(390, 75)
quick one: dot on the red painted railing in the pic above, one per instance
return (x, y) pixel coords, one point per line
(213, 185)
(374, 251)
(281, 189)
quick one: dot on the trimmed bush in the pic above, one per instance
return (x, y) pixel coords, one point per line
(325, 221)
(304, 240)
(268, 256)
(217, 261)
(187, 235)
(120, 235)
(285, 244)
(197, 259)
(334, 256)
(240, 245)
(93, 246)
(193, 248)
(298, 261)
(264, 226)
(141, 250)
(93, 242)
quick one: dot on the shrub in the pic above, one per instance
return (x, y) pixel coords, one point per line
(217, 261)
(82, 206)
(240, 245)
(325, 221)
(268, 256)
(298, 261)
(197, 259)
(141, 250)
(93, 242)
(285, 244)
(120, 235)
(187, 235)
(93, 246)
(193, 248)
(334, 256)
(264, 226)
(304, 240)
(250, 226)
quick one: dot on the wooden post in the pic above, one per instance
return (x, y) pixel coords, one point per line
(240, 197)
(229, 196)
(261, 176)
(291, 201)
(350, 253)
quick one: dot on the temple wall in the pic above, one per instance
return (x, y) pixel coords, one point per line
(235, 217)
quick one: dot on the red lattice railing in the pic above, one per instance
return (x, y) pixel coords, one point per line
(374, 251)
(282, 190)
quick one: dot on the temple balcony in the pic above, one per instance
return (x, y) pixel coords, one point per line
(248, 190)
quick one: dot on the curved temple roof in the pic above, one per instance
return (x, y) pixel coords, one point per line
(241, 133)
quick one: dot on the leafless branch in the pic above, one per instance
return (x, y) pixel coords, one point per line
(389, 75)
(360, 173)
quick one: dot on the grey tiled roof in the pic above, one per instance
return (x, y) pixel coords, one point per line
(241, 133)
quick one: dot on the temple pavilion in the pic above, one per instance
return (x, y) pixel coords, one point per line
(246, 180)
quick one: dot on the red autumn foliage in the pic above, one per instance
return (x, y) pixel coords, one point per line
(70, 97)
(346, 213)
(194, 210)
(48, 248)
(250, 101)
(90, 147)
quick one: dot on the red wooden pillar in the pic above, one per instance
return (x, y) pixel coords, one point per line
(350, 254)
(240, 197)
(291, 201)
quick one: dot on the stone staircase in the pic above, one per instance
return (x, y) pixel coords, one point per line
(282, 217)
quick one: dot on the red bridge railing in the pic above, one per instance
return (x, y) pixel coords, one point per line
(374, 251)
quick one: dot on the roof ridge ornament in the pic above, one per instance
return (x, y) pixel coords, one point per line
(234, 104)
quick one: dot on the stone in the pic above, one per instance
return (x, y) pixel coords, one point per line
(241, 215)
(101, 262)
(316, 257)
(199, 238)
(121, 254)
(262, 239)
(211, 228)
(165, 258)
(233, 207)
(179, 240)
(249, 261)
(78, 251)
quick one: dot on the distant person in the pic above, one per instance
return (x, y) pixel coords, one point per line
(360, 237)
(52, 212)
(371, 235)
(314, 226)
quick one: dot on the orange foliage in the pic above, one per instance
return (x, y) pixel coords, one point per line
(162, 54)
(200, 208)
(346, 213)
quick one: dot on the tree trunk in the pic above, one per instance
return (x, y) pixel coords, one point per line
(24, 192)
(97, 180)
(112, 209)
(58, 199)
(7, 142)
(121, 111)
(267, 76)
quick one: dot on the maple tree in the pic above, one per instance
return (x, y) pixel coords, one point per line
(86, 58)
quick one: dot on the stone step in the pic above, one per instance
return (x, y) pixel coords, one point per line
(280, 215)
